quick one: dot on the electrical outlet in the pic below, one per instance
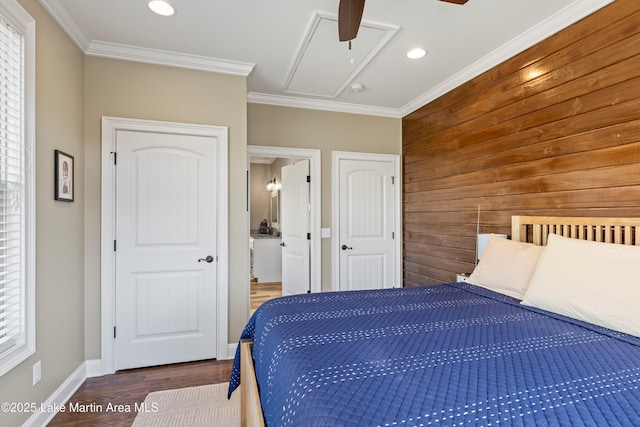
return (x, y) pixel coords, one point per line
(37, 372)
(462, 277)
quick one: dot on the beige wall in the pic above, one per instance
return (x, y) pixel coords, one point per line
(144, 91)
(260, 197)
(326, 131)
(59, 230)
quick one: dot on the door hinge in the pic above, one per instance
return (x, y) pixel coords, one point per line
(393, 235)
(308, 178)
(114, 246)
(114, 332)
(393, 180)
(308, 236)
(115, 157)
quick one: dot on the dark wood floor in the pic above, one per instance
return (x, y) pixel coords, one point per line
(132, 386)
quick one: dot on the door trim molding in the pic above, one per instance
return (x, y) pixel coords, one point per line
(110, 125)
(315, 170)
(336, 156)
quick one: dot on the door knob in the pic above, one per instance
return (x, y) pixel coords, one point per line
(209, 258)
(345, 247)
(282, 244)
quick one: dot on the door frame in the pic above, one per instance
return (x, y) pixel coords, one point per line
(110, 125)
(336, 156)
(314, 197)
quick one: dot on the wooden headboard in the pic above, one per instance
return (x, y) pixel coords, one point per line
(535, 229)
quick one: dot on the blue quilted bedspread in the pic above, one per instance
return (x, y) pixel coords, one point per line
(451, 354)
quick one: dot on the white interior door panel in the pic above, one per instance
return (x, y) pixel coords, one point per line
(165, 229)
(295, 226)
(366, 215)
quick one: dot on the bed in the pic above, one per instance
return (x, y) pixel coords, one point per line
(560, 352)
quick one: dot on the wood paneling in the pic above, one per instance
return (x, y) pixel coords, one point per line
(554, 130)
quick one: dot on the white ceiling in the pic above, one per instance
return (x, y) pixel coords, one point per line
(268, 40)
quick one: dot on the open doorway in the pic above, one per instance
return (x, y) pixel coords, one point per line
(265, 228)
(267, 244)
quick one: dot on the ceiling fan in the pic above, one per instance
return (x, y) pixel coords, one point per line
(350, 15)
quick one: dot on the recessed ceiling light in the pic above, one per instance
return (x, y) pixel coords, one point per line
(416, 53)
(161, 7)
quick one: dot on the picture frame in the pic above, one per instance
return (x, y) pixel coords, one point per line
(64, 188)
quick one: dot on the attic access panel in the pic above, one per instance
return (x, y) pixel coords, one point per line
(321, 50)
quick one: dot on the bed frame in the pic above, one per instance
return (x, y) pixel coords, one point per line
(532, 229)
(535, 229)
(250, 408)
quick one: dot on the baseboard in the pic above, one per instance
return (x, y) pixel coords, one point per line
(58, 398)
(88, 369)
(94, 368)
(231, 351)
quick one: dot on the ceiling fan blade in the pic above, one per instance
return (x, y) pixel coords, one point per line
(349, 17)
(455, 1)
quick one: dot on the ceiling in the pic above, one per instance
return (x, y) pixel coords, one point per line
(291, 55)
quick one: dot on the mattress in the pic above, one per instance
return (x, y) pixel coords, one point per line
(452, 354)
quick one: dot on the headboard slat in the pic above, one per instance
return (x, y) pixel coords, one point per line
(610, 230)
(537, 234)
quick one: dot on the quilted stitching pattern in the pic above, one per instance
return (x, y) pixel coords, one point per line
(443, 355)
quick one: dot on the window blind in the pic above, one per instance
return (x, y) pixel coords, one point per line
(12, 189)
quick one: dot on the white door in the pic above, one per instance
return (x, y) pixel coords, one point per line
(294, 199)
(165, 248)
(366, 228)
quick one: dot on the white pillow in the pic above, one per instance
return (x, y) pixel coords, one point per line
(506, 266)
(595, 282)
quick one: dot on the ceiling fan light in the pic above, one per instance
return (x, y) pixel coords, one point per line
(162, 8)
(416, 53)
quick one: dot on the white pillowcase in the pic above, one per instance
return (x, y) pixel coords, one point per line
(506, 266)
(591, 281)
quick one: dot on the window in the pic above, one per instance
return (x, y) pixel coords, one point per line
(17, 179)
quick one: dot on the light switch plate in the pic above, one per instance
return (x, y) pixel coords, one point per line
(325, 233)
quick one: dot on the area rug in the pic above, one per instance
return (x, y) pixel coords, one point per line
(190, 407)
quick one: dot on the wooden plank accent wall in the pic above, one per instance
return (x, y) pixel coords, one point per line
(554, 130)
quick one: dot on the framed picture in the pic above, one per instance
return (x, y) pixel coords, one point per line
(64, 185)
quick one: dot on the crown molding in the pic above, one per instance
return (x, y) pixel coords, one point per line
(569, 15)
(138, 54)
(315, 104)
(561, 20)
(68, 24)
(173, 59)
